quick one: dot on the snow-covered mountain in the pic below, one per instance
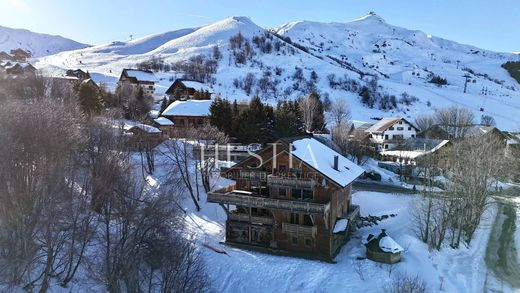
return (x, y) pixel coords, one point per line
(282, 61)
(36, 43)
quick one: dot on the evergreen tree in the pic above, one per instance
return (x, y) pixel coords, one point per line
(90, 99)
(256, 123)
(221, 115)
(288, 120)
(164, 104)
(318, 124)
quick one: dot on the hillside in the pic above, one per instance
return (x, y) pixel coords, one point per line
(279, 64)
(38, 44)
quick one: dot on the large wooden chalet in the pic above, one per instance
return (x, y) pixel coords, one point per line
(293, 197)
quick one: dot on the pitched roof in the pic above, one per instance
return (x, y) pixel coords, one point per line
(188, 108)
(188, 83)
(386, 123)
(140, 75)
(416, 147)
(146, 128)
(321, 158)
(163, 121)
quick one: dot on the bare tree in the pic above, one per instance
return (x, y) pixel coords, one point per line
(179, 152)
(340, 112)
(208, 166)
(473, 165)
(308, 107)
(424, 122)
(456, 121)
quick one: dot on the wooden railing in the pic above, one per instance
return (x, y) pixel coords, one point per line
(353, 212)
(254, 219)
(295, 182)
(247, 199)
(253, 175)
(300, 230)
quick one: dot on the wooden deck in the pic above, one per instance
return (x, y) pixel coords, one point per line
(249, 200)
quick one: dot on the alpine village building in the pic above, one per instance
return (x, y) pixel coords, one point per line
(190, 113)
(139, 79)
(292, 197)
(184, 89)
(390, 132)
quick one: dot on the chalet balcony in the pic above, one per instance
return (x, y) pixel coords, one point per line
(300, 230)
(253, 175)
(294, 182)
(241, 217)
(245, 198)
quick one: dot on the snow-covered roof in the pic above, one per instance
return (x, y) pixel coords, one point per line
(321, 158)
(386, 123)
(387, 244)
(340, 226)
(141, 75)
(147, 128)
(416, 147)
(195, 85)
(163, 121)
(188, 108)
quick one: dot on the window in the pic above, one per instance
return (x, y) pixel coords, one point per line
(391, 128)
(413, 135)
(400, 128)
(409, 128)
(307, 194)
(282, 191)
(294, 240)
(308, 242)
(400, 122)
(386, 136)
(296, 193)
(307, 220)
(295, 219)
(386, 146)
(282, 168)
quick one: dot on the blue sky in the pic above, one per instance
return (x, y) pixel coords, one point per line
(490, 24)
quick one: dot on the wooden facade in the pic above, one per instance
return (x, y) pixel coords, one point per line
(179, 90)
(285, 205)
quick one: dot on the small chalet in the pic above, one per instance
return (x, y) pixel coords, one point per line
(18, 69)
(165, 125)
(143, 79)
(389, 132)
(410, 150)
(188, 113)
(292, 197)
(185, 89)
(141, 137)
(6, 57)
(383, 248)
(78, 73)
(20, 55)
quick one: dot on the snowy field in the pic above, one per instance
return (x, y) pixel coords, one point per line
(462, 270)
(450, 270)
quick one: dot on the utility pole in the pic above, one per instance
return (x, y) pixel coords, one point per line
(467, 77)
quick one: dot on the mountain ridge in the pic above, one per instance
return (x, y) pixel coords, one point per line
(404, 61)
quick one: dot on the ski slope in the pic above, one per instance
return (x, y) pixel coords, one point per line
(402, 59)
